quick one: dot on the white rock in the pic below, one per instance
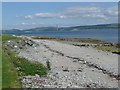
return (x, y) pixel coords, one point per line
(15, 46)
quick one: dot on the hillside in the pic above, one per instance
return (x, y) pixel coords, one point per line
(73, 28)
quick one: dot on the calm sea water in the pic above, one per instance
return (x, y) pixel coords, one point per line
(106, 35)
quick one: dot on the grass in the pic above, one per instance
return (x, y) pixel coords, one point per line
(108, 49)
(26, 67)
(9, 37)
(0, 62)
(10, 75)
(20, 66)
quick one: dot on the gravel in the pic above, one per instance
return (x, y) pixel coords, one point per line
(70, 72)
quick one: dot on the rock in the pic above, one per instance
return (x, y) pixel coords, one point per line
(80, 69)
(9, 41)
(66, 70)
(15, 46)
(37, 75)
(74, 60)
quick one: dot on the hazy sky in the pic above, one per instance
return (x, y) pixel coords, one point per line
(23, 15)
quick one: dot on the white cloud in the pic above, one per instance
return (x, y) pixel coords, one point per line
(82, 9)
(71, 12)
(24, 24)
(46, 15)
(86, 12)
(29, 17)
(62, 16)
(28, 24)
(113, 11)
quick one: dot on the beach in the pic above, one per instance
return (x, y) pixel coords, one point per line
(71, 66)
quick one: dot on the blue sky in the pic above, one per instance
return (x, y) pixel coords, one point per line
(23, 15)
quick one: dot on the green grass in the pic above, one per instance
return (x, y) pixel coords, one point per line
(108, 48)
(9, 74)
(0, 62)
(6, 37)
(26, 67)
(20, 66)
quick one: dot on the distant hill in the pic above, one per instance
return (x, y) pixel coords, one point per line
(74, 28)
(102, 26)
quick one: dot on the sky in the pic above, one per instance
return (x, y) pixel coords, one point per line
(24, 15)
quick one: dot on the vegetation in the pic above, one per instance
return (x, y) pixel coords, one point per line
(48, 65)
(0, 62)
(112, 49)
(15, 66)
(9, 74)
(9, 37)
(26, 67)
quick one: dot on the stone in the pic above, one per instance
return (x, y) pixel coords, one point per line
(15, 46)
(36, 75)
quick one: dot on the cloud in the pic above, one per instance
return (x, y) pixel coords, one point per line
(28, 17)
(17, 16)
(24, 24)
(82, 9)
(28, 24)
(86, 12)
(113, 11)
(45, 15)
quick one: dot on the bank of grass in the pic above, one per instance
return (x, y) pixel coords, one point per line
(10, 77)
(18, 67)
(26, 67)
(6, 37)
(0, 62)
(107, 48)
(111, 49)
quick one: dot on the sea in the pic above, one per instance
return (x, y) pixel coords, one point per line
(109, 35)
